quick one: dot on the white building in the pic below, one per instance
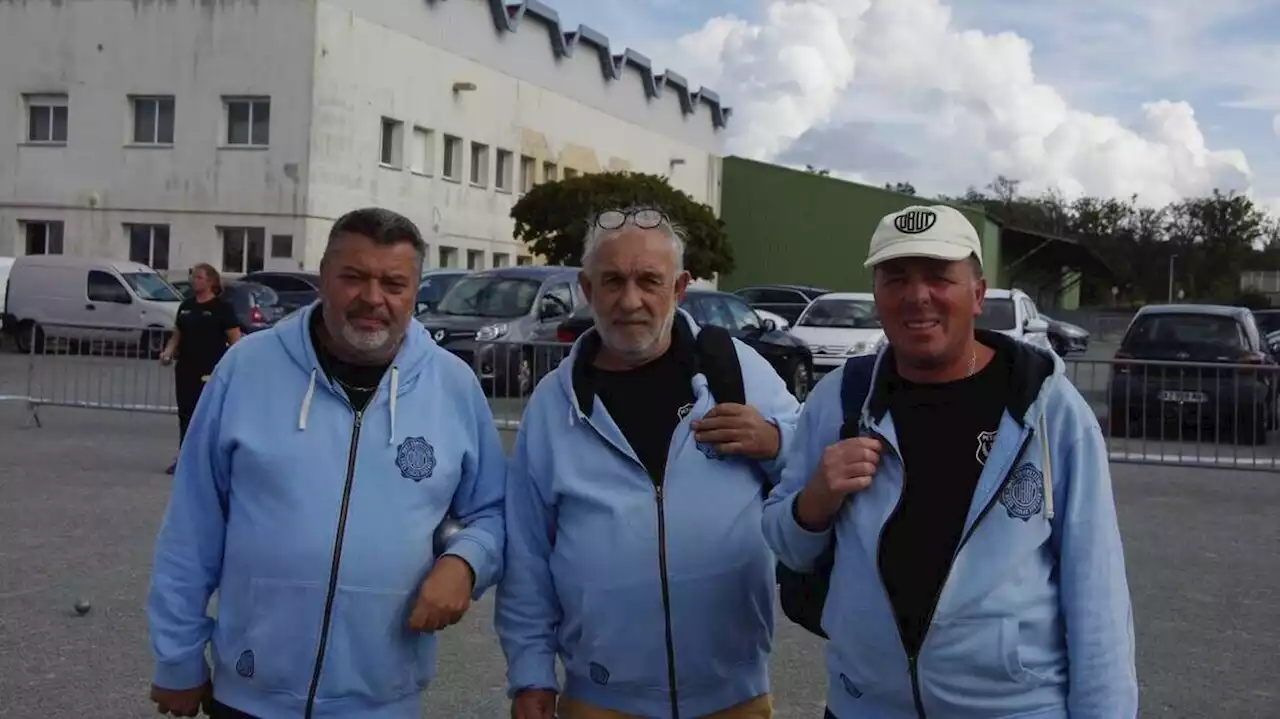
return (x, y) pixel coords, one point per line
(234, 132)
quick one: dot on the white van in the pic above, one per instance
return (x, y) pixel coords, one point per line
(88, 300)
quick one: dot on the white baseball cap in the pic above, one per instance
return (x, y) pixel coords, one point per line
(935, 231)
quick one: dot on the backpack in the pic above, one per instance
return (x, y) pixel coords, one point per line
(802, 594)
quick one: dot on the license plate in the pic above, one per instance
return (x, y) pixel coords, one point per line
(1180, 396)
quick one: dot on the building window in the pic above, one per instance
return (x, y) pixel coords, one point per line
(570, 173)
(453, 158)
(501, 259)
(503, 170)
(528, 173)
(243, 249)
(153, 120)
(281, 247)
(475, 260)
(392, 152)
(149, 245)
(47, 119)
(523, 260)
(249, 122)
(549, 171)
(43, 238)
(448, 257)
(479, 164)
(423, 158)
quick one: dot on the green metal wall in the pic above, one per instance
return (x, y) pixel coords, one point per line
(793, 227)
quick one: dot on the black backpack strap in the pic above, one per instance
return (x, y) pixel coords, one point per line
(803, 595)
(718, 360)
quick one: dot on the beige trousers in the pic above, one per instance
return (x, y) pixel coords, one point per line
(759, 708)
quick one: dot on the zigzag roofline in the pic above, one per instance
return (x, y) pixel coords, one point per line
(507, 16)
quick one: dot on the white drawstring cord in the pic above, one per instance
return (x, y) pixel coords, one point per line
(306, 402)
(1048, 469)
(395, 385)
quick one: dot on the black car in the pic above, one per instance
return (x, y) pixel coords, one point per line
(256, 306)
(1181, 376)
(789, 356)
(1065, 337)
(503, 323)
(1268, 321)
(786, 301)
(295, 289)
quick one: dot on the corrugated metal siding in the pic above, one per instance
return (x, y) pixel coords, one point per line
(789, 226)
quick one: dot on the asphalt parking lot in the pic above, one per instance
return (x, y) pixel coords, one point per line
(83, 494)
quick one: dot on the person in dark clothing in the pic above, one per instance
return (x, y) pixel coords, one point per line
(203, 330)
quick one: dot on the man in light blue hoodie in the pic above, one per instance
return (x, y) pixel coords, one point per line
(634, 552)
(978, 571)
(321, 458)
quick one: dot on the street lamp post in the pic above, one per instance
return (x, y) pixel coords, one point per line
(1171, 259)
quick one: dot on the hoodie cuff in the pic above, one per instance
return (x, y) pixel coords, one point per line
(476, 556)
(803, 543)
(533, 669)
(187, 674)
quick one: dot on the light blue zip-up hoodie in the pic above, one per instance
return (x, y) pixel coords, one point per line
(616, 577)
(315, 525)
(1034, 620)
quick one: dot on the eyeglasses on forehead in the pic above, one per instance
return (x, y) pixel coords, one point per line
(645, 219)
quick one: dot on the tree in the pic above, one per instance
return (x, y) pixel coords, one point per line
(817, 171)
(552, 218)
(904, 188)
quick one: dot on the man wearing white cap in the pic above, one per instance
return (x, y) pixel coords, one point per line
(977, 568)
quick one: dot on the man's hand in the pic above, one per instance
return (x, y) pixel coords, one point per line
(534, 704)
(445, 595)
(166, 357)
(738, 429)
(846, 468)
(181, 702)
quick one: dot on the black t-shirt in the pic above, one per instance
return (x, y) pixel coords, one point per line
(647, 403)
(945, 432)
(359, 382)
(202, 333)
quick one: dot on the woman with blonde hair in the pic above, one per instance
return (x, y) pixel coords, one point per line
(205, 327)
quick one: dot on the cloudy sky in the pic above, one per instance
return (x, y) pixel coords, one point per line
(1163, 98)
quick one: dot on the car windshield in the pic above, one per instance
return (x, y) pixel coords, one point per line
(490, 297)
(997, 314)
(433, 287)
(150, 286)
(843, 314)
(1185, 329)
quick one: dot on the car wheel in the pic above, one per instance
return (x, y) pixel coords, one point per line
(29, 338)
(799, 380)
(524, 374)
(153, 342)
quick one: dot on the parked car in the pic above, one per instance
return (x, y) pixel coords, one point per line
(295, 289)
(1013, 313)
(1065, 337)
(88, 301)
(502, 322)
(837, 326)
(778, 321)
(183, 287)
(788, 355)
(1232, 402)
(1268, 321)
(256, 307)
(434, 284)
(1273, 342)
(785, 300)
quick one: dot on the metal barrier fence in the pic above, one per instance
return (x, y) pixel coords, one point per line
(1163, 413)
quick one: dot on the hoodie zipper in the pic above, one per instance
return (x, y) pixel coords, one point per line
(337, 561)
(662, 571)
(913, 660)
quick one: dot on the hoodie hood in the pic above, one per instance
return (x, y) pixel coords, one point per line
(416, 349)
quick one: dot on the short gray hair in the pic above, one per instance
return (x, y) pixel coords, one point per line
(597, 235)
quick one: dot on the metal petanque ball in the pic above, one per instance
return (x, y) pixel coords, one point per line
(82, 607)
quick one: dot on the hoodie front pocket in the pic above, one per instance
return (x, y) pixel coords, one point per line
(370, 652)
(623, 638)
(974, 660)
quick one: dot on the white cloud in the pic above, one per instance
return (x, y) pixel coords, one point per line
(968, 103)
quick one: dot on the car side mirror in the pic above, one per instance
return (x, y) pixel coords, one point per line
(1036, 326)
(550, 309)
(769, 325)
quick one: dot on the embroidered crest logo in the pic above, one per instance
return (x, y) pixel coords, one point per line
(709, 450)
(985, 442)
(1023, 494)
(416, 458)
(244, 665)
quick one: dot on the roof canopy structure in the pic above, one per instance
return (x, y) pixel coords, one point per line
(1032, 256)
